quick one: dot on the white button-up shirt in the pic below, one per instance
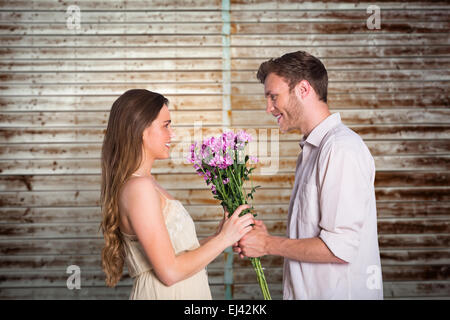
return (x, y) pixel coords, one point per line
(334, 199)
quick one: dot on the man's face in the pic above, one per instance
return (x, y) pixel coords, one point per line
(282, 103)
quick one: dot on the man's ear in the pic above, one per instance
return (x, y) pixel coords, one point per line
(302, 89)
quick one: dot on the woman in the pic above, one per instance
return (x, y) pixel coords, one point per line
(142, 224)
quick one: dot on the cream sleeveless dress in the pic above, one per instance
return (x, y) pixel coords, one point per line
(182, 234)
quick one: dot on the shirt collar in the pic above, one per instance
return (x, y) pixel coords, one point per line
(317, 134)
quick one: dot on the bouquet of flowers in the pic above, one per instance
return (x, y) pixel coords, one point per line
(222, 163)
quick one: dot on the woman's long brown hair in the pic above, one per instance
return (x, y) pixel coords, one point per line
(130, 114)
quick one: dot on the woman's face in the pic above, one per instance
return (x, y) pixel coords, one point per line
(157, 137)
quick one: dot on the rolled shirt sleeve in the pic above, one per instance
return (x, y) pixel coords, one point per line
(345, 190)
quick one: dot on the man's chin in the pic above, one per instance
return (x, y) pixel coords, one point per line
(285, 130)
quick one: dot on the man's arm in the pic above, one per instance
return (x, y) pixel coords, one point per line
(259, 242)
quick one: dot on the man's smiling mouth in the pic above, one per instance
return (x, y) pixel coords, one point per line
(278, 116)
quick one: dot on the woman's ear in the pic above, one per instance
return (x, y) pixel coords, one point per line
(145, 134)
(145, 139)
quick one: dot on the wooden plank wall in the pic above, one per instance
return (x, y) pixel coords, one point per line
(390, 86)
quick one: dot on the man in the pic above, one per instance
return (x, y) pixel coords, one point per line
(331, 249)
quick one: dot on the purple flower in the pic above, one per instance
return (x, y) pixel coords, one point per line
(213, 144)
(226, 161)
(194, 156)
(226, 181)
(243, 136)
(228, 139)
(253, 159)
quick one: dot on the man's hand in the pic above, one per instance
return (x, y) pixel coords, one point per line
(254, 243)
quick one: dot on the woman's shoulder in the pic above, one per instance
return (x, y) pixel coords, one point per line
(137, 197)
(139, 188)
(139, 182)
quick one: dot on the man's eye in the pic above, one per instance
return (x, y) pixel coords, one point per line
(273, 97)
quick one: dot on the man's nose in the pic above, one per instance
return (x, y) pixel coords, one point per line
(269, 107)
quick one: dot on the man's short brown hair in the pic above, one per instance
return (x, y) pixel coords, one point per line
(295, 67)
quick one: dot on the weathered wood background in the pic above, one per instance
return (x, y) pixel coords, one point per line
(390, 85)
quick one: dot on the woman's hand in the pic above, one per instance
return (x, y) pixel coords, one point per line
(235, 227)
(220, 226)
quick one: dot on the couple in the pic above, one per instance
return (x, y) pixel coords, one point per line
(331, 245)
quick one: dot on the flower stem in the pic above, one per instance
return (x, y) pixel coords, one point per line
(256, 262)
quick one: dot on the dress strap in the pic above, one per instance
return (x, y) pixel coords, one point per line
(161, 193)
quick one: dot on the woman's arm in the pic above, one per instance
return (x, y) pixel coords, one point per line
(143, 206)
(205, 240)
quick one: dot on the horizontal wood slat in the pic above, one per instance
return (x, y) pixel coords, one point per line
(328, 5)
(238, 40)
(198, 102)
(180, 63)
(354, 87)
(238, 118)
(78, 214)
(99, 103)
(17, 53)
(90, 230)
(61, 254)
(203, 196)
(347, 63)
(342, 27)
(88, 135)
(202, 76)
(132, 17)
(115, 28)
(349, 117)
(393, 290)
(92, 182)
(157, 5)
(215, 276)
(354, 101)
(212, 88)
(97, 119)
(92, 150)
(180, 165)
(108, 5)
(109, 77)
